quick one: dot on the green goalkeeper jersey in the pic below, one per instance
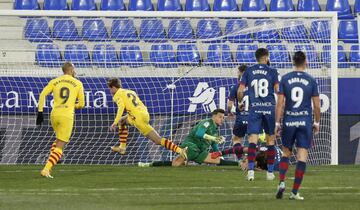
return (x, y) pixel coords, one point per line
(196, 134)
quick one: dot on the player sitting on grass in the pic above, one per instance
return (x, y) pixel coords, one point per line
(298, 92)
(203, 135)
(66, 89)
(138, 116)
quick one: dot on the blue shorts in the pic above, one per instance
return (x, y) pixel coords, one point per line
(259, 120)
(299, 130)
(240, 126)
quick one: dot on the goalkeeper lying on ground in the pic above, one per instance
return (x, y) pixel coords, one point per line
(203, 135)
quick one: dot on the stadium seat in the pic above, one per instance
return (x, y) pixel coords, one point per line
(279, 56)
(180, 30)
(188, 54)
(77, 54)
(55, 5)
(245, 54)
(152, 30)
(341, 6)
(219, 55)
(311, 55)
(281, 5)
(83, 5)
(94, 30)
(105, 56)
(308, 5)
(320, 31)
(348, 31)
(163, 56)
(197, 5)
(123, 30)
(26, 4)
(48, 55)
(112, 5)
(144, 5)
(357, 7)
(37, 30)
(65, 30)
(326, 58)
(225, 5)
(253, 5)
(233, 31)
(130, 55)
(294, 31)
(354, 57)
(169, 5)
(266, 33)
(208, 29)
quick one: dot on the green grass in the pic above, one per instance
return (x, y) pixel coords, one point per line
(120, 187)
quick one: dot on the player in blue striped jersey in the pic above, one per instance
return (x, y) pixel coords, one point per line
(262, 82)
(298, 91)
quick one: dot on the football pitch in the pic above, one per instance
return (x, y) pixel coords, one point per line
(194, 187)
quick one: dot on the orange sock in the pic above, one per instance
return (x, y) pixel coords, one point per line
(123, 134)
(170, 145)
(54, 157)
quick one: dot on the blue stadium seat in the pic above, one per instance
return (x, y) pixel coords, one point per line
(320, 31)
(105, 56)
(326, 57)
(48, 55)
(197, 5)
(180, 30)
(354, 57)
(219, 55)
(281, 5)
(152, 30)
(253, 5)
(65, 30)
(123, 30)
(279, 56)
(225, 5)
(77, 54)
(308, 5)
(144, 5)
(294, 31)
(37, 30)
(208, 29)
(163, 56)
(112, 5)
(311, 55)
(341, 6)
(267, 33)
(55, 5)
(130, 55)
(169, 5)
(357, 7)
(26, 4)
(188, 54)
(94, 30)
(233, 31)
(245, 54)
(83, 5)
(348, 31)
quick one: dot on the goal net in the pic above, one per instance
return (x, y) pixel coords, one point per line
(181, 64)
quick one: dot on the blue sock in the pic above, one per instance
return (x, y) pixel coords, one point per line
(251, 156)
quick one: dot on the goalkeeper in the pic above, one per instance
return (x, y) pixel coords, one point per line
(203, 135)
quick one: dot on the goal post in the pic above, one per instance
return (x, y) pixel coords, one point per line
(181, 75)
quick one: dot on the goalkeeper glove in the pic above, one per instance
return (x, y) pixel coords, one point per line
(220, 139)
(40, 118)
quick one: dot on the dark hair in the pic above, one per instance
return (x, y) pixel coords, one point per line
(114, 82)
(67, 66)
(216, 111)
(242, 68)
(299, 58)
(261, 160)
(260, 53)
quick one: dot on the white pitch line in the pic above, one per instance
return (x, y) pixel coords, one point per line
(180, 194)
(164, 189)
(60, 170)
